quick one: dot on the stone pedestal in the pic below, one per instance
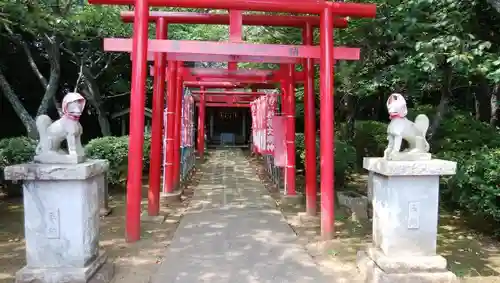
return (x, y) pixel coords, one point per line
(405, 198)
(356, 203)
(291, 200)
(61, 218)
(173, 197)
(104, 209)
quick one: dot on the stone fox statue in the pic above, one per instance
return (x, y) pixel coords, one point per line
(67, 127)
(401, 128)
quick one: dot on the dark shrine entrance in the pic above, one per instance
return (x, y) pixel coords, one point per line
(228, 126)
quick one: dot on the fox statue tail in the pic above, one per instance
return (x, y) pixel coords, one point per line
(42, 124)
(422, 124)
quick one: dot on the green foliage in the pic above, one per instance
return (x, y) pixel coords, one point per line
(370, 139)
(462, 133)
(345, 157)
(476, 186)
(459, 131)
(16, 150)
(115, 150)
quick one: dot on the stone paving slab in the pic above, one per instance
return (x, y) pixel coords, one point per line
(233, 232)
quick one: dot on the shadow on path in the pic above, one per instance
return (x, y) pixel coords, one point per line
(233, 232)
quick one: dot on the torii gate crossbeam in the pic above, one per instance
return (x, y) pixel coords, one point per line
(224, 51)
(224, 19)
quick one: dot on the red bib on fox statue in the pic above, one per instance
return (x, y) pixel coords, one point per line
(396, 106)
(72, 105)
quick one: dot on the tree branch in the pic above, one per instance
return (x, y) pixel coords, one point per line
(53, 52)
(17, 105)
(80, 74)
(118, 95)
(106, 66)
(16, 38)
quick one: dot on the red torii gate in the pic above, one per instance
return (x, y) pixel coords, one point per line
(139, 49)
(240, 75)
(224, 19)
(229, 85)
(206, 99)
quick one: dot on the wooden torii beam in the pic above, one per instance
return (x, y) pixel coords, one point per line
(228, 85)
(197, 92)
(239, 75)
(223, 19)
(342, 9)
(209, 51)
(227, 99)
(214, 104)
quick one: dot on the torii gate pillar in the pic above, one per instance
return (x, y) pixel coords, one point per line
(327, 137)
(136, 135)
(157, 124)
(178, 125)
(201, 124)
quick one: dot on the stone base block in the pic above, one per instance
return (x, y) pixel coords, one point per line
(58, 158)
(152, 219)
(410, 156)
(171, 197)
(376, 267)
(99, 271)
(293, 200)
(309, 220)
(357, 203)
(105, 211)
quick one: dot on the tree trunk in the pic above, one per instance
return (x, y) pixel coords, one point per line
(93, 95)
(54, 54)
(481, 97)
(101, 113)
(494, 106)
(350, 117)
(443, 103)
(22, 113)
(477, 106)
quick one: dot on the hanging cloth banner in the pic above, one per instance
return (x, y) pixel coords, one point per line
(186, 121)
(271, 100)
(164, 151)
(253, 113)
(279, 127)
(260, 118)
(191, 121)
(257, 125)
(183, 120)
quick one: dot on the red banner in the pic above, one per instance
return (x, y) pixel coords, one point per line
(187, 119)
(262, 126)
(253, 110)
(263, 110)
(279, 153)
(270, 100)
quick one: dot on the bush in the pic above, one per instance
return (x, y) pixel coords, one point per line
(345, 157)
(476, 186)
(369, 139)
(475, 146)
(14, 151)
(115, 150)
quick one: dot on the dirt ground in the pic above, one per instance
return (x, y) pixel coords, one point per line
(134, 263)
(473, 257)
